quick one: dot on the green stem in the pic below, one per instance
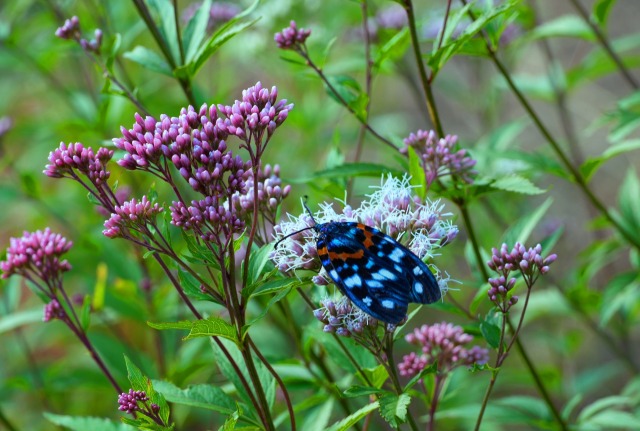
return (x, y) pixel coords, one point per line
(393, 373)
(4, 420)
(426, 85)
(575, 173)
(597, 31)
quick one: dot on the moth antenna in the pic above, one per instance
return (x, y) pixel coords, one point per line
(304, 204)
(291, 234)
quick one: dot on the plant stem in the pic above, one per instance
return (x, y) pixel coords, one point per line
(4, 420)
(426, 85)
(597, 31)
(575, 173)
(362, 121)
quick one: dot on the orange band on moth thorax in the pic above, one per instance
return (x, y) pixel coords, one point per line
(344, 256)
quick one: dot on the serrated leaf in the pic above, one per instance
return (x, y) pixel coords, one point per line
(393, 408)
(212, 327)
(84, 423)
(348, 170)
(149, 59)
(516, 183)
(346, 423)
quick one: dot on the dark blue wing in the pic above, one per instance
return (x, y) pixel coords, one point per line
(378, 274)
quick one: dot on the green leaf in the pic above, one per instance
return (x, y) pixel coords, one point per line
(591, 165)
(183, 324)
(85, 313)
(490, 330)
(191, 286)
(598, 63)
(257, 262)
(164, 14)
(84, 423)
(196, 30)
(393, 408)
(139, 382)
(516, 183)
(430, 369)
(20, 318)
(629, 205)
(230, 372)
(348, 170)
(601, 10)
(228, 30)
(149, 59)
(522, 228)
(563, 26)
(201, 254)
(359, 391)
(393, 49)
(273, 286)
(377, 376)
(350, 92)
(212, 327)
(203, 396)
(603, 404)
(418, 177)
(441, 55)
(275, 299)
(346, 423)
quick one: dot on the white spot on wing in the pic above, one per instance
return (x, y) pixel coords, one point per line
(417, 271)
(334, 274)
(383, 274)
(367, 301)
(396, 255)
(388, 304)
(374, 283)
(353, 281)
(418, 287)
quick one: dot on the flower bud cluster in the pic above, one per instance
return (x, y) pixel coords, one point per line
(443, 343)
(38, 253)
(208, 217)
(342, 318)
(131, 215)
(71, 31)
(53, 310)
(438, 156)
(67, 159)
(292, 37)
(529, 262)
(128, 402)
(270, 192)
